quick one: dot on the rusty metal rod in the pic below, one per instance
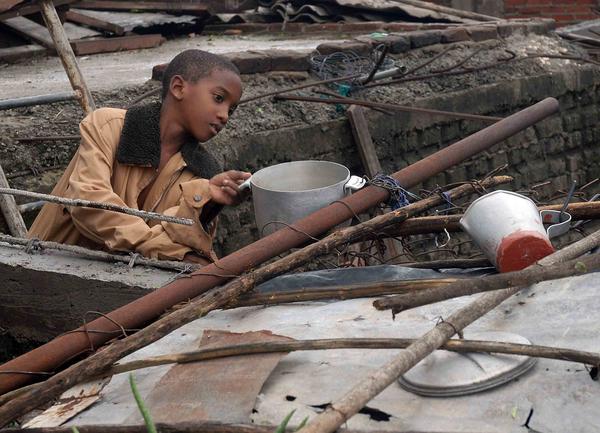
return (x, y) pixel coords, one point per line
(55, 353)
(372, 104)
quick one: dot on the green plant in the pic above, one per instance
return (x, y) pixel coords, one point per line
(281, 427)
(141, 406)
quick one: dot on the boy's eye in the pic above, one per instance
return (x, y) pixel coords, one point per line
(219, 98)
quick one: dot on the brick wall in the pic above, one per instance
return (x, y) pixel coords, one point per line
(563, 11)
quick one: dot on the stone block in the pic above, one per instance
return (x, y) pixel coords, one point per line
(555, 145)
(511, 28)
(574, 140)
(482, 33)
(499, 159)
(571, 121)
(556, 166)
(360, 48)
(456, 174)
(454, 35)
(250, 62)
(549, 127)
(397, 43)
(515, 156)
(289, 60)
(423, 38)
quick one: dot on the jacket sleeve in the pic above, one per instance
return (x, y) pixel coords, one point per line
(91, 180)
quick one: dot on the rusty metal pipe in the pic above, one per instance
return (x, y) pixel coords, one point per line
(55, 353)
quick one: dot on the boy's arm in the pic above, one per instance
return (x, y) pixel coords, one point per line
(91, 180)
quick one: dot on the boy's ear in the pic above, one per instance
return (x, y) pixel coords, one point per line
(176, 87)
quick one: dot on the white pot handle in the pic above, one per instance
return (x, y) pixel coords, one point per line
(246, 185)
(558, 225)
(354, 183)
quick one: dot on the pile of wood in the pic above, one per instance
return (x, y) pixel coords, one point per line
(101, 26)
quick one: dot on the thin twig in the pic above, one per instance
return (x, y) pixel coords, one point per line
(303, 86)
(97, 205)
(101, 255)
(364, 103)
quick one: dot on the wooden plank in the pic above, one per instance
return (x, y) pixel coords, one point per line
(362, 137)
(156, 6)
(370, 161)
(13, 54)
(30, 9)
(30, 30)
(95, 23)
(122, 43)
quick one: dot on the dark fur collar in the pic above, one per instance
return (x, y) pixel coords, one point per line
(140, 143)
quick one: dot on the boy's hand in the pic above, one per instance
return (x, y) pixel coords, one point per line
(224, 187)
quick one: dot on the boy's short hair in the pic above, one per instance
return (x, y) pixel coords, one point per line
(193, 65)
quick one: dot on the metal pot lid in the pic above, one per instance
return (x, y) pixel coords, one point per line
(448, 374)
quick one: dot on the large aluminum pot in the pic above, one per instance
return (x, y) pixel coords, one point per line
(285, 193)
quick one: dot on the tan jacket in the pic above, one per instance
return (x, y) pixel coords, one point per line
(97, 173)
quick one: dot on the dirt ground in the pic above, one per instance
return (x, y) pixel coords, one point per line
(36, 166)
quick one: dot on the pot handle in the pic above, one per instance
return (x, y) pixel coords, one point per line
(354, 183)
(246, 185)
(558, 224)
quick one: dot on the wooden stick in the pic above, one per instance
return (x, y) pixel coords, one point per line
(211, 300)
(369, 387)
(557, 353)
(350, 291)
(448, 264)
(97, 205)
(101, 255)
(67, 57)
(461, 345)
(396, 107)
(10, 210)
(470, 286)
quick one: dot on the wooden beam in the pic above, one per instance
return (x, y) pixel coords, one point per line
(95, 23)
(193, 8)
(30, 9)
(362, 137)
(30, 30)
(107, 45)
(370, 161)
(13, 54)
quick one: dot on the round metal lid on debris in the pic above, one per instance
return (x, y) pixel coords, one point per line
(449, 374)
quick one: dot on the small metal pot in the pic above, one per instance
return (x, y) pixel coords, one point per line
(285, 193)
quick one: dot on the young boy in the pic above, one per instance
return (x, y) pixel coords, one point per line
(149, 158)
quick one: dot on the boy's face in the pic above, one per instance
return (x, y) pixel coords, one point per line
(208, 103)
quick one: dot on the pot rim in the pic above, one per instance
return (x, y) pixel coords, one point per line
(310, 161)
